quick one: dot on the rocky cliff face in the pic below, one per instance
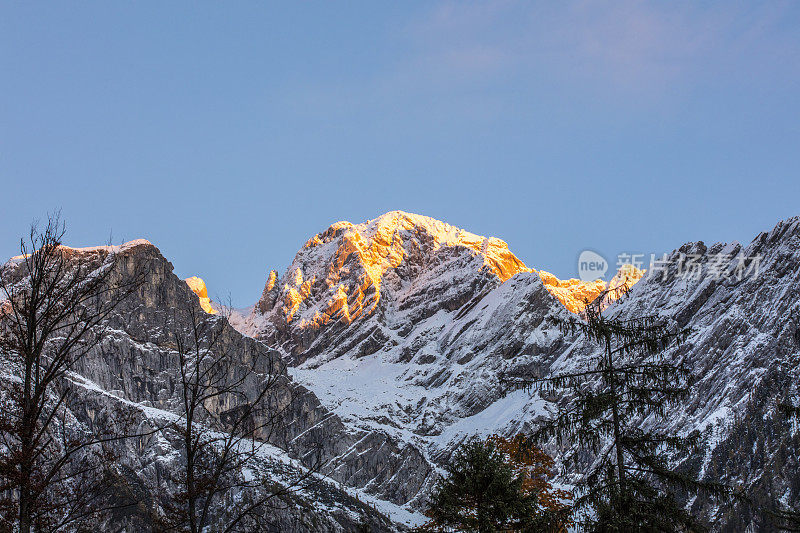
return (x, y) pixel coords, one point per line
(742, 304)
(135, 368)
(396, 333)
(355, 283)
(404, 325)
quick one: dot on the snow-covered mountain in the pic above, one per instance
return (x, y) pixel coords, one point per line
(133, 374)
(404, 325)
(397, 330)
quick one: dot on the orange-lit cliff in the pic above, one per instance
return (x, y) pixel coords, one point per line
(340, 274)
(198, 286)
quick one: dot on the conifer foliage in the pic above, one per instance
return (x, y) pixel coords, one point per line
(778, 515)
(630, 486)
(498, 484)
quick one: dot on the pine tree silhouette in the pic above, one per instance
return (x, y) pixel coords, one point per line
(497, 485)
(630, 486)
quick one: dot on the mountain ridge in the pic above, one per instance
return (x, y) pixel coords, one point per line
(416, 367)
(425, 365)
(338, 275)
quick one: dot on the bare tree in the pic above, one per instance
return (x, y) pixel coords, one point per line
(233, 402)
(53, 307)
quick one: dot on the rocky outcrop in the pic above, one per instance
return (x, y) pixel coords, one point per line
(421, 356)
(136, 367)
(198, 286)
(353, 287)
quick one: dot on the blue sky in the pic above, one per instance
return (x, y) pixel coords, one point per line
(228, 134)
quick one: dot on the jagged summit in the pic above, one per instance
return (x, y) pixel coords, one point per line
(341, 273)
(381, 244)
(359, 287)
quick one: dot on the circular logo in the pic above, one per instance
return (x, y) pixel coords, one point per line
(591, 266)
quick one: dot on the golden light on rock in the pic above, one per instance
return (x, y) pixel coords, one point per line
(573, 293)
(621, 283)
(371, 250)
(349, 284)
(198, 286)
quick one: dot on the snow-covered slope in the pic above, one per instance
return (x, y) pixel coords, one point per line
(420, 314)
(404, 324)
(135, 369)
(398, 330)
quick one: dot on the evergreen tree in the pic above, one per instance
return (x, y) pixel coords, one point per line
(630, 486)
(497, 485)
(781, 517)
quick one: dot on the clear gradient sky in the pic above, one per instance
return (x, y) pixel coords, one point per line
(229, 133)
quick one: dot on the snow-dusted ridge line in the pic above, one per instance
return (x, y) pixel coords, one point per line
(110, 248)
(426, 368)
(423, 367)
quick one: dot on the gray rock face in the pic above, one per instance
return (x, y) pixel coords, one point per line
(146, 466)
(743, 307)
(424, 364)
(136, 367)
(396, 333)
